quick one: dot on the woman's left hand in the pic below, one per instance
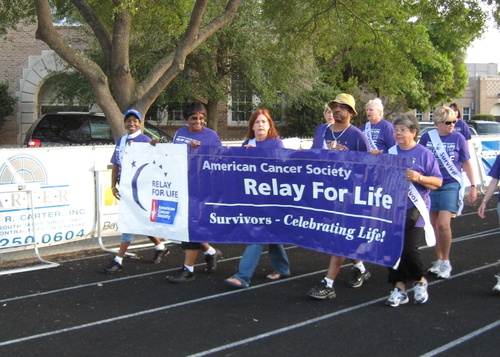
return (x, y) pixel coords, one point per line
(472, 194)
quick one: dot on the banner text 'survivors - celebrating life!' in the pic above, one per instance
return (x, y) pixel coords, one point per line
(350, 204)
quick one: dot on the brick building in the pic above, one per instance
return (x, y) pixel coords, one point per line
(27, 63)
(482, 95)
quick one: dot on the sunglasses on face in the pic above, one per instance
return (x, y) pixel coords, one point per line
(449, 122)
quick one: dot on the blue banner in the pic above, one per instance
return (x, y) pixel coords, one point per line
(346, 203)
(489, 152)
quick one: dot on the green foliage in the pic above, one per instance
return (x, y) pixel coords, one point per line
(488, 117)
(305, 111)
(7, 102)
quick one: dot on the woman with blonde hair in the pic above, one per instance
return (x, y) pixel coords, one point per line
(452, 152)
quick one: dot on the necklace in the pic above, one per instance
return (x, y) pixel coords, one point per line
(335, 139)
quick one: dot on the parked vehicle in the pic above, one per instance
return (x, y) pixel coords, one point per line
(485, 127)
(78, 128)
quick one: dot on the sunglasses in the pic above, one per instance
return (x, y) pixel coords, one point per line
(449, 122)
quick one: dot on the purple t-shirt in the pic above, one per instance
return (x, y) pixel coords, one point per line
(382, 135)
(425, 163)
(463, 128)
(495, 171)
(351, 139)
(275, 143)
(120, 146)
(456, 147)
(206, 136)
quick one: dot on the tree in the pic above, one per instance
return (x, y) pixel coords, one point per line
(178, 26)
(7, 101)
(399, 49)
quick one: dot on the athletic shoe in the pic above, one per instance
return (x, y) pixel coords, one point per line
(420, 290)
(434, 269)
(211, 261)
(182, 276)
(444, 271)
(496, 288)
(358, 278)
(397, 298)
(159, 255)
(322, 291)
(113, 267)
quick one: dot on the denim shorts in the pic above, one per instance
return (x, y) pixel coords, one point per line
(127, 237)
(445, 198)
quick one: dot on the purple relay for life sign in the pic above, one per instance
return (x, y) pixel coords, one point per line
(344, 203)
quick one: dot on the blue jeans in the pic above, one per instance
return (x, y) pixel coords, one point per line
(251, 256)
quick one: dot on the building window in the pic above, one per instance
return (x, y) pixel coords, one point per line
(242, 101)
(466, 113)
(419, 115)
(170, 114)
(431, 114)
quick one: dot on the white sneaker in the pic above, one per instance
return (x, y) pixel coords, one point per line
(421, 295)
(434, 269)
(444, 271)
(496, 288)
(397, 298)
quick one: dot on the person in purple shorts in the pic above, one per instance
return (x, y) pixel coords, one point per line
(495, 177)
(378, 131)
(261, 133)
(196, 134)
(133, 119)
(452, 152)
(340, 135)
(424, 176)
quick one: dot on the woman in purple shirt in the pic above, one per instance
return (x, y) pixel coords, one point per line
(446, 200)
(261, 133)
(495, 177)
(378, 131)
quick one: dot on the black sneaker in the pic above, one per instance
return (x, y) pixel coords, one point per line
(321, 291)
(159, 255)
(183, 276)
(358, 278)
(211, 261)
(113, 267)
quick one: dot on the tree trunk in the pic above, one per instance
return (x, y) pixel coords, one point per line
(212, 114)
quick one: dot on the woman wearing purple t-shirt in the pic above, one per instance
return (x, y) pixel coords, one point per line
(452, 152)
(195, 134)
(262, 134)
(495, 177)
(378, 131)
(424, 176)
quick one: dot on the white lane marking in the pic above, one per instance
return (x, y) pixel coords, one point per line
(461, 340)
(206, 298)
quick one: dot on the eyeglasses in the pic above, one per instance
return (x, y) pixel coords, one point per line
(449, 122)
(193, 117)
(402, 130)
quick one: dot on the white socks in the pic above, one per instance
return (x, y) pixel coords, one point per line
(210, 251)
(360, 266)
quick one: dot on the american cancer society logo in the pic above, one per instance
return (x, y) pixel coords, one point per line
(163, 211)
(152, 187)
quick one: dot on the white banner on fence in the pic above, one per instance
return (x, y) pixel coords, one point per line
(48, 194)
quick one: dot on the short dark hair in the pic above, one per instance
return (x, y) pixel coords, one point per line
(408, 120)
(192, 107)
